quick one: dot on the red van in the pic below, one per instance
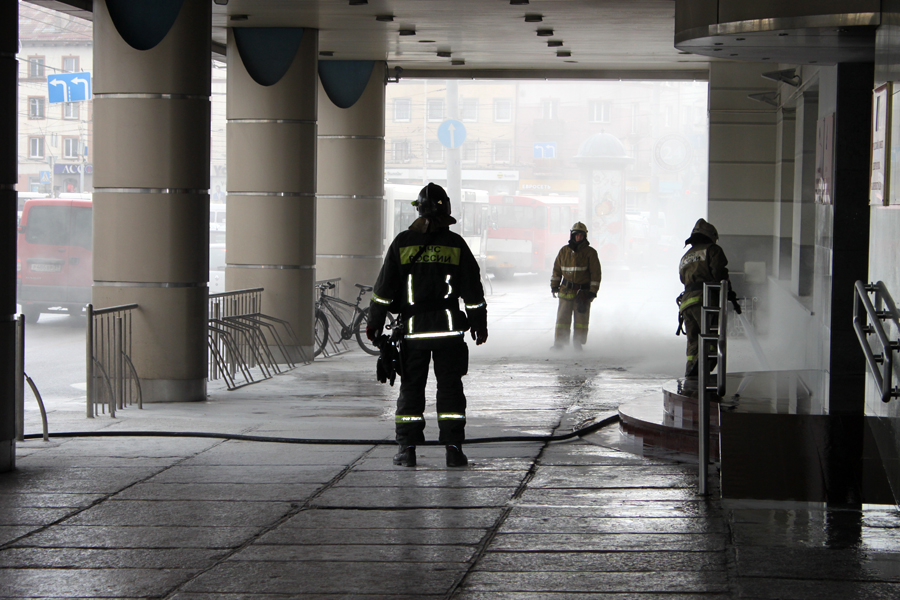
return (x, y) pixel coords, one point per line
(54, 256)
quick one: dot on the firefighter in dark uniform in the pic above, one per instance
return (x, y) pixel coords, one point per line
(426, 271)
(704, 262)
(575, 280)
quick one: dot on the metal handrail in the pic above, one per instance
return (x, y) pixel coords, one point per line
(108, 344)
(706, 339)
(883, 378)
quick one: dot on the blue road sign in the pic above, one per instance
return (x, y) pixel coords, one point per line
(452, 133)
(69, 87)
(45, 176)
(545, 150)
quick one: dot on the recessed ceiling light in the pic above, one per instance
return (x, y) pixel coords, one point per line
(740, 39)
(407, 32)
(545, 32)
(718, 44)
(326, 53)
(570, 61)
(457, 62)
(564, 53)
(384, 18)
(533, 18)
(554, 43)
(782, 34)
(444, 53)
(426, 41)
(239, 17)
(358, 2)
(518, 2)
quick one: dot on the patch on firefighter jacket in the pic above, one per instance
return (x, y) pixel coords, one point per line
(444, 255)
(692, 257)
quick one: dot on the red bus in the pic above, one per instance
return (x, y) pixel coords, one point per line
(527, 232)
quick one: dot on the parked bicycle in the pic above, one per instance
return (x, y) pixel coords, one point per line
(338, 308)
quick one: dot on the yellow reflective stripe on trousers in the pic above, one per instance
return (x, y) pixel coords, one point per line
(689, 302)
(435, 334)
(409, 418)
(692, 357)
(451, 417)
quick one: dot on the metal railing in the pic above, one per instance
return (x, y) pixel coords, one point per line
(21, 378)
(241, 340)
(713, 334)
(883, 309)
(112, 380)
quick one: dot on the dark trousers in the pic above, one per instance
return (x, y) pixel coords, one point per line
(451, 363)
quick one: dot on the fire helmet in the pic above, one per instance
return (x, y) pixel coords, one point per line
(579, 227)
(703, 227)
(432, 200)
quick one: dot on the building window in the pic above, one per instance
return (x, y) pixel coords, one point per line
(35, 108)
(468, 110)
(435, 152)
(70, 64)
(598, 111)
(402, 110)
(501, 151)
(70, 147)
(468, 152)
(35, 67)
(71, 110)
(400, 151)
(550, 109)
(502, 111)
(35, 147)
(435, 109)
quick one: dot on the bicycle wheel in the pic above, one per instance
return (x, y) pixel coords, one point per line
(321, 332)
(364, 342)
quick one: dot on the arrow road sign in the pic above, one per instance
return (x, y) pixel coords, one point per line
(69, 87)
(451, 134)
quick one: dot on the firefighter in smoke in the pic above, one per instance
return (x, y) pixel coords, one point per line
(426, 271)
(575, 281)
(704, 262)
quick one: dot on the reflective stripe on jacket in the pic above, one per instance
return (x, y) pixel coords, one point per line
(702, 263)
(580, 267)
(423, 277)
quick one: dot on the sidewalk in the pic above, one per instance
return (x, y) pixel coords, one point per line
(198, 518)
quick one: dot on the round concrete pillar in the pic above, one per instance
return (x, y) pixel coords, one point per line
(271, 204)
(9, 37)
(151, 184)
(350, 219)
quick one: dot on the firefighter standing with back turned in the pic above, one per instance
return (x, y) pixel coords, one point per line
(427, 269)
(575, 280)
(704, 262)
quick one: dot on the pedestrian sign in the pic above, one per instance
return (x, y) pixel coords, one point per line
(68, 87)
(45, 176)
(451, 134)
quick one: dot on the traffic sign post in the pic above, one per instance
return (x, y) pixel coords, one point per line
(68, 87)
(451, 134)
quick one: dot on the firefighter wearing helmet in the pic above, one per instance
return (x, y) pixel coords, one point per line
(575, 281)
(426, 271)
(704, 262)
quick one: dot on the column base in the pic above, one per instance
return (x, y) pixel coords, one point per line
(7, 455)
(173, 390)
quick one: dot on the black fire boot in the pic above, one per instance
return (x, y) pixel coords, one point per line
(455, 457)
(406, 457)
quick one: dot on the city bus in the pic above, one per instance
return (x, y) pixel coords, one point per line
(526, 232)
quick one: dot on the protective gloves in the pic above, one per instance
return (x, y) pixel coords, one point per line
(732, 297)
(554, 290)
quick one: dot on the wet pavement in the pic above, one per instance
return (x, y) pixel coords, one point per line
(192, 518)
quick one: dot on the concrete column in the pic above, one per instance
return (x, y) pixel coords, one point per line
(9, 42)
(350, 220)
(151, 202)
(271, 205)
(742, 164)
(784, 193)
(803, 236)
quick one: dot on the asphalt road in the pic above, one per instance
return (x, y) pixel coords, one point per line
(55, 359)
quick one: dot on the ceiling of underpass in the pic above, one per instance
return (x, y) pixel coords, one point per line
(617, 39)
